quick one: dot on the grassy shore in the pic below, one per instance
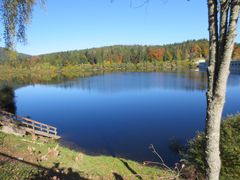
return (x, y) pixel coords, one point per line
(30, 157)
(45, 72)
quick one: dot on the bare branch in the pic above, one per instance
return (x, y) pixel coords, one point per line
(145, 2)
(140, 5)
(151, 146)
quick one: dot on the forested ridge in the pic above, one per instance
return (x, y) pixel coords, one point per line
(187, 50)
(6, 55)
(119, 54)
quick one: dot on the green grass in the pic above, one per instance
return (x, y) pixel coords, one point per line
(92, 167)
(15, 170)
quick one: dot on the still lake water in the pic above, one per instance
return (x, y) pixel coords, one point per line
(120, 114)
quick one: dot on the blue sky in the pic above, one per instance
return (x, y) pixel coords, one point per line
(78, 24)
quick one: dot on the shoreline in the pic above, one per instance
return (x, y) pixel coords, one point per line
(45, 153)
(46, 72)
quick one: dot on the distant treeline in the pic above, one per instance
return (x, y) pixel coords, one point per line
(134, 54)
(122, 54)
(81, 63)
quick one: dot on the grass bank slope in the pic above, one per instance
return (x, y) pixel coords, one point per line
(37, 158)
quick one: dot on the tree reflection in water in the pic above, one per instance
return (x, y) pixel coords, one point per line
(7, 99)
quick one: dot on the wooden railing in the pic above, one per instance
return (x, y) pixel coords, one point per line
(33, 126)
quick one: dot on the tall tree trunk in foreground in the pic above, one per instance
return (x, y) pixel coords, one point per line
(223, 17)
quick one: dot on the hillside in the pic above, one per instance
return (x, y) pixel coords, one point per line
(119, 54)
(187, 50)
(5, 55)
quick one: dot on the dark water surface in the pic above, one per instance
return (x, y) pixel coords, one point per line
(120, 114)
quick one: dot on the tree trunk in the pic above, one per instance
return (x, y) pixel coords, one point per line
(220, 54)
(214, 113)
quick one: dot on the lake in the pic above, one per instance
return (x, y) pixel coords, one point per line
(120, 114)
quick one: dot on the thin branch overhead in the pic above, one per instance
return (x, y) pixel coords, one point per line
(132, 4)
(144, 3)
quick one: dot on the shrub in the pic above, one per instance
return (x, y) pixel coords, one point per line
(229, 148)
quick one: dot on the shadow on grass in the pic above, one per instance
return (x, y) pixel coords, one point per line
(130, 169)
(117, 176)
(57, 173)
(54, 172)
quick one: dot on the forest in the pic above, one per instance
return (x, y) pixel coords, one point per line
(118, 54)
(78, 63)
(135, 54)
